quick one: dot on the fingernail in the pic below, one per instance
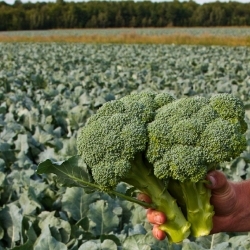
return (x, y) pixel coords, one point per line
(211, 180)
(158, 219)
(158, 235)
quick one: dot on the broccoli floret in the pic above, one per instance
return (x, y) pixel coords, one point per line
(164, 147)
(230, 108)
(222, 141)
(186, 131)
(163, 99)
(187, 163)
(141, 106)
(111, 139)
(196, 135)
(160, 144)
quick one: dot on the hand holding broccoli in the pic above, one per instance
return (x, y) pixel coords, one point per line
(230, 200)
(164, 148)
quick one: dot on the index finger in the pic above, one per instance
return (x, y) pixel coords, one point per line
(144, 197)
(156, 217)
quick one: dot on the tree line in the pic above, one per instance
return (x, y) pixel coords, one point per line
(113, 14)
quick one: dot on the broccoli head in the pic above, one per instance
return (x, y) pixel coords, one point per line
(164, 147)
(113, 142)
(196, 135)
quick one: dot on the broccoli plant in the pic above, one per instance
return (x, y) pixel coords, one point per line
(164, 148)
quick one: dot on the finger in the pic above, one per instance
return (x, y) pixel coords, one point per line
(156, 217)
(158, 234)
(217, 181)
(144, 197)
(224, 196)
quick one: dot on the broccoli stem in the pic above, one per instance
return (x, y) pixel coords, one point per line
(197, 198)
(131, 199)
(175, 190)
(141, 176)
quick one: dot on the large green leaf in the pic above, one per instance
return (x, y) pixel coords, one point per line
(71, 172)
(136, 242)
(76, 201)
(192, 246)
(74, 172)
(89, 245)
(147, 241)
(22, 143)
(210, 241)
(240, 240)
(59, 228)
(48, 153)
(95, 245)
(11, 220)
(46, 241)
(31, 238)
(29, 202)
(102, 219)
(42, 136)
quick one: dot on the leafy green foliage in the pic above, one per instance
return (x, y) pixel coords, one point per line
(47, 91)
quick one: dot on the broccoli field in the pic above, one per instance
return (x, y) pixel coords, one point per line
(48, 91)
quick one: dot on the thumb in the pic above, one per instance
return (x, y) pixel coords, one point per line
(217, 182)
(223, 193)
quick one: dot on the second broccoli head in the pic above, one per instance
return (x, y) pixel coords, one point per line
(190, 136)
(155, 143)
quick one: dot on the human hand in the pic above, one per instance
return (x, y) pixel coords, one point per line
(231, 203)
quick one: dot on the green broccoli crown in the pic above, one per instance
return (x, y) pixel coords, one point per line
(181, 138)
(109, 143)
(189, 136)
(115, 134)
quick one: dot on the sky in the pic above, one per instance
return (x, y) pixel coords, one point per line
(198, 1)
